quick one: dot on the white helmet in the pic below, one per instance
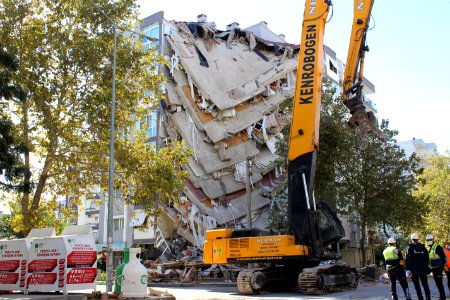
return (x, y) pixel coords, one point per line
(414, 236)
(429, 237)
(391, 240)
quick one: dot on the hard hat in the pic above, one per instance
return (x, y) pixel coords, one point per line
(391, 240)
(429, 237)
(414, 236)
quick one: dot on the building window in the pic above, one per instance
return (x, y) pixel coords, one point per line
(137, 125)
(152, 32)
(332, 67)
(152, 120)
(118, 224)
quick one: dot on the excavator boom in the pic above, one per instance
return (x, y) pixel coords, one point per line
(304, 134)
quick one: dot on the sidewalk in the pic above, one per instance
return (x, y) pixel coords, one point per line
(73, 295)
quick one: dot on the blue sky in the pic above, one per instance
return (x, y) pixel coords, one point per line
(407, 61)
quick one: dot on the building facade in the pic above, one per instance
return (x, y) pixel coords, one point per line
(419, 147)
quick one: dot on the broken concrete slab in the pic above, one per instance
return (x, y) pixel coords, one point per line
(243, 70)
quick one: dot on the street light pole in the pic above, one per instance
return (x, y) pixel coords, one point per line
(109, 236)
(249, 192)
(110, 205)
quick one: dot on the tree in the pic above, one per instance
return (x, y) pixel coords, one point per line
(434, 191)
(335, 139)
(11, 166)
(375, 185)
(372, 185)
(65, 51)
(148, 176)
(6, 230)
(380, 173)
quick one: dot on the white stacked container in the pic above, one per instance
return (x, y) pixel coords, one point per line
(63, 263)
(14, 260)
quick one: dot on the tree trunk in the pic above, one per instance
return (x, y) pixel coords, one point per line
(41, 183)
(25, 201)
(362, 244)
(29, 209)
(385, 230)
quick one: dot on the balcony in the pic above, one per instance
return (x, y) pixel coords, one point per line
(92, 210)
(94, 226)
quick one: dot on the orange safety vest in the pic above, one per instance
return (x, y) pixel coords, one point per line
(447, 255)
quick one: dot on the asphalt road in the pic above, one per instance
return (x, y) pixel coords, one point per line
(368, 290)
(372, 290)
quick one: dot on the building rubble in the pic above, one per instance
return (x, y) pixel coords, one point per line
(223, 93)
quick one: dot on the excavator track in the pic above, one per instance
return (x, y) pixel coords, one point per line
(327, 279)
(250, 282)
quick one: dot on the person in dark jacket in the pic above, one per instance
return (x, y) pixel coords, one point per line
(437, 263)
(393, 260)
(417, 261)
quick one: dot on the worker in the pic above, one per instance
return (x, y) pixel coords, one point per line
(417, 266)
(447, 264)
(437, 263)
(393, 260)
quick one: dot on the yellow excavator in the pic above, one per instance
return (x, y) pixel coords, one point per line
(293, 259)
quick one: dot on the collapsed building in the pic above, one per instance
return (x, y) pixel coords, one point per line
(223, 93)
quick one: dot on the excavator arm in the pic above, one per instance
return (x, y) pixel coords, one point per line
(304, 215)
(364, 122)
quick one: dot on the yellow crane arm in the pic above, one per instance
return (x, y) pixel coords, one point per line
(357, 46)
(304, 132)
(364, 122)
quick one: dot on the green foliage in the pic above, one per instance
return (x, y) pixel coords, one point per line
(375, 184)
(6, 229)
(278, 210)
(335, 138)
(147, 176)
(12, 170)
(282, 142)
(433, 191)
(65, 53)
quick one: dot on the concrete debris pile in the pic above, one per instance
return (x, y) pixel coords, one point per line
(371, 273)
(189, 271)
(223, 97)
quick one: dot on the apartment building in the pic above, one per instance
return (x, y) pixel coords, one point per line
(419, 147)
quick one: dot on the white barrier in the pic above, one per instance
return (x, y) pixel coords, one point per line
(14, 259)
(63, 263)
